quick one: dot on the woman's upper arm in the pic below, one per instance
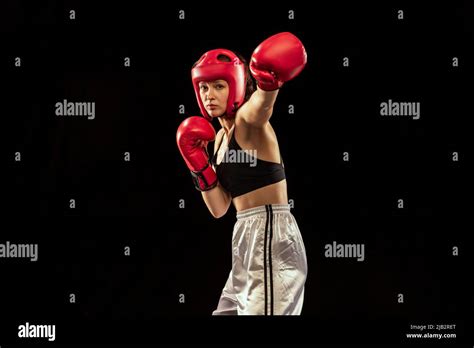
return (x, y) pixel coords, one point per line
(258, 109)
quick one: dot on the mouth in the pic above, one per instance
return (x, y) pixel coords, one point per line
(211, 106)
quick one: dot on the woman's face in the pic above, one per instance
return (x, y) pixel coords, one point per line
(214, 96)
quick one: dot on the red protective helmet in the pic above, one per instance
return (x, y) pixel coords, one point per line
(209, 68)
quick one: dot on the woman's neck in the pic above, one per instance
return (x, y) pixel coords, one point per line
(226, 123)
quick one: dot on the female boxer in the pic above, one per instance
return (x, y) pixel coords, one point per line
(268, 260)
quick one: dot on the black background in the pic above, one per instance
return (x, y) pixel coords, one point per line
(173, 250)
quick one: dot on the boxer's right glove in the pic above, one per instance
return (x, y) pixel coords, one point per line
(276, 60)
(192, 136)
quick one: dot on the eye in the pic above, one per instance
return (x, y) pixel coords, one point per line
(219, 86)
(203, 87)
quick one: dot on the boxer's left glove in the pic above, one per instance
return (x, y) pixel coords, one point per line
(276, 60)
(192, 137)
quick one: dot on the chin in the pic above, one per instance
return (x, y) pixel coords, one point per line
(215, 114)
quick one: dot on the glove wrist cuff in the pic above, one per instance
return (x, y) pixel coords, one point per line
(204, 179)
(267, 87)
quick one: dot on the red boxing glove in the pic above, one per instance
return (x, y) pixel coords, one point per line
(276, 60)
(192, 132)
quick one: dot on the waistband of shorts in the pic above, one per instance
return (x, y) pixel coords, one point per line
(275, 208)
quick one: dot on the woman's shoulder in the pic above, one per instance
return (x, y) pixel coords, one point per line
(244, 128)
(242, 123)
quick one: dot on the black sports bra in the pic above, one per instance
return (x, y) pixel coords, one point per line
(241, 172)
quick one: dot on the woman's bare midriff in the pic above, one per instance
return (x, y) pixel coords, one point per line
(271, 194)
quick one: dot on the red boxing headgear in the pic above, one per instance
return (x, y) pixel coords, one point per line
(210, 68)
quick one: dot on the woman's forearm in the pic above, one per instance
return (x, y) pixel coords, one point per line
(217, 201)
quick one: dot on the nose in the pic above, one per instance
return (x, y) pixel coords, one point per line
(210, 94)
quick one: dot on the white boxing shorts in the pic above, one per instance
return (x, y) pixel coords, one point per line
(269, 265)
